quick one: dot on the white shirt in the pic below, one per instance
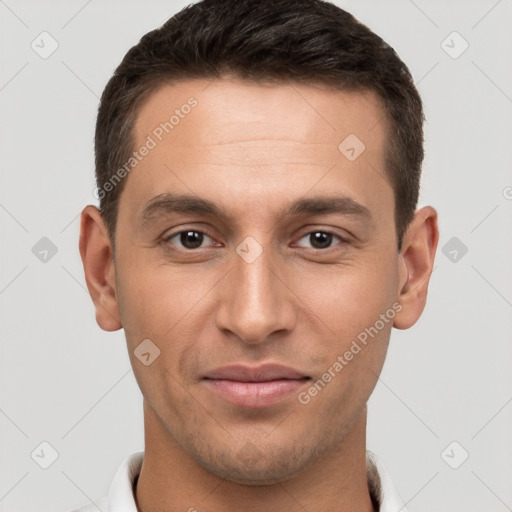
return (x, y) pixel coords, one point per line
(120, 497)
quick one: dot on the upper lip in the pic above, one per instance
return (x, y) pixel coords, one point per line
(262, 373)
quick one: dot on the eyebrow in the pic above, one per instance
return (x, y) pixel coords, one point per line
(168, 203)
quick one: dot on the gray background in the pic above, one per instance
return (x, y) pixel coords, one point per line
(66, 382)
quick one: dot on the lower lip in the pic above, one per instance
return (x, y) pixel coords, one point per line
(255, 394)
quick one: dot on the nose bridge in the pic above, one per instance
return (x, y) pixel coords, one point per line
(254, 301)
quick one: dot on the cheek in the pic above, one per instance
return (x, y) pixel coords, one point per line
(357, 318)
(349, 297)
(160, 304)
(156, 301)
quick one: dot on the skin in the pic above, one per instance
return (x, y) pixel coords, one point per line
(253, 149)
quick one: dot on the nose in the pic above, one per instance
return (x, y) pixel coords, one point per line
(255, 302)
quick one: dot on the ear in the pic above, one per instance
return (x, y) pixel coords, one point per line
(416, 260)
(98, 262)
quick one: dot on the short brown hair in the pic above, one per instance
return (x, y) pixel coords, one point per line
(297, 41)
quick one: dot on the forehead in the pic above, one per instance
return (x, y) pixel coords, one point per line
(226, 139)
(240, 110)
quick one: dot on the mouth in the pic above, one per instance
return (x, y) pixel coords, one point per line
(254, 387)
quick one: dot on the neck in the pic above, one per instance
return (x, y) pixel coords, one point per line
(171, 480)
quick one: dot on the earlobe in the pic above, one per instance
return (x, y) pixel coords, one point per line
(96, 254)
(416, 261)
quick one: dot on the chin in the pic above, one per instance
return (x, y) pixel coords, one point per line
(254, 476)
(250, 465)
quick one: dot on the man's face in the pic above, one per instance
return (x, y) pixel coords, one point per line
(263, 283)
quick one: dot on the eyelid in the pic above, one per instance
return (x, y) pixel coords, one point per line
(342, 239)
(167, 237)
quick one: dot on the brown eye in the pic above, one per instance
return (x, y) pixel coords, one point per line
(319, 239)
(188, 239)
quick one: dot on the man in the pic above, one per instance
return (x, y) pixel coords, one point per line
(258, 167)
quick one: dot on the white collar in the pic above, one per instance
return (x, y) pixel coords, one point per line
(120, 496)
(381, 484)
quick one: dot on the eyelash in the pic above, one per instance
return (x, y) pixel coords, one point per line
(172, 235)
(168, 244)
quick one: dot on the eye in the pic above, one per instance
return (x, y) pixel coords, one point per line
(188, 239)
(320, 239)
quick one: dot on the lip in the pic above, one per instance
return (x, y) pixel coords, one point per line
(255, 387)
